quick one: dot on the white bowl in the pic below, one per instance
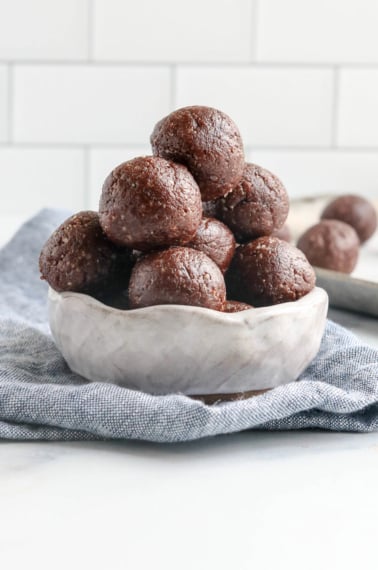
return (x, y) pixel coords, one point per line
(190, 350)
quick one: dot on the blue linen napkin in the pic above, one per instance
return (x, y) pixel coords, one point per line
(40, 398)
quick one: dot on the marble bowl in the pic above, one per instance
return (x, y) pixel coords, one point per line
(189, 350)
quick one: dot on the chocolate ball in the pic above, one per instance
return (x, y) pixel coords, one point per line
(179, 276)
(267, 271)
(331, 244)
(216, 240)
(208, 142)
(236, 307)
(257, 206)
(355, 211)
(150, 202)
(79, 257)
(283, 233)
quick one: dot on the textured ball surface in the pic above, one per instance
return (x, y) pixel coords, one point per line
(208, 142)
(331, 244)
(216, 240)
(257, 206)
(236, 307)
(179, 276)
(355, 211)
(150, 202)
(267, 271)
(79, 257)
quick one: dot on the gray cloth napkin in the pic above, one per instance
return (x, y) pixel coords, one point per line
(40, 398)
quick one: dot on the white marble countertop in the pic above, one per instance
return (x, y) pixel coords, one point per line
(250, 500)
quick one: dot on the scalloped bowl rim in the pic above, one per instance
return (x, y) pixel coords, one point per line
(235, 316)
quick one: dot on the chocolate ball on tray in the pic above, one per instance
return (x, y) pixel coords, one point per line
(331, 244)
(79, 257)
(149, 203)
(216, 240)
(179, 276)
(355, 211)
(257, 206)
(267, 271)
(208, 142)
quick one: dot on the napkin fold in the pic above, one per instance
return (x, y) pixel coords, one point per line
(41, 399)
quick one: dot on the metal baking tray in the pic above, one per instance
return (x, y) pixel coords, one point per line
(357, 292)
(347, 292)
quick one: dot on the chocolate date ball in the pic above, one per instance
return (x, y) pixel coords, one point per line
(355, 211)
(150, 202)
(267, 271)
(331, 244)
(216, 240)
(79, 257)
(257, 206)
(208, 142)
(177, 275)
(236, 307)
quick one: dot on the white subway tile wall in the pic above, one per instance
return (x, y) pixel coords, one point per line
(319, 172)
(44, 30)
(272, 106)
(88, 103)
(358, 108)
(164, 30)
(315, 31)
(33, 178)
(82, 83)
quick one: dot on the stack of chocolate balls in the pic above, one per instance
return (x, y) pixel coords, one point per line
(192, 225)
(334, 243)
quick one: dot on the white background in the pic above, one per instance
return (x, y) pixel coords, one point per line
(82, 83)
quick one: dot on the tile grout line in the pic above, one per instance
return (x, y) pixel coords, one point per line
(90, 23)
(254, 30)
(335, 106)
(73, 146)
(164, 63)
(140, 146)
